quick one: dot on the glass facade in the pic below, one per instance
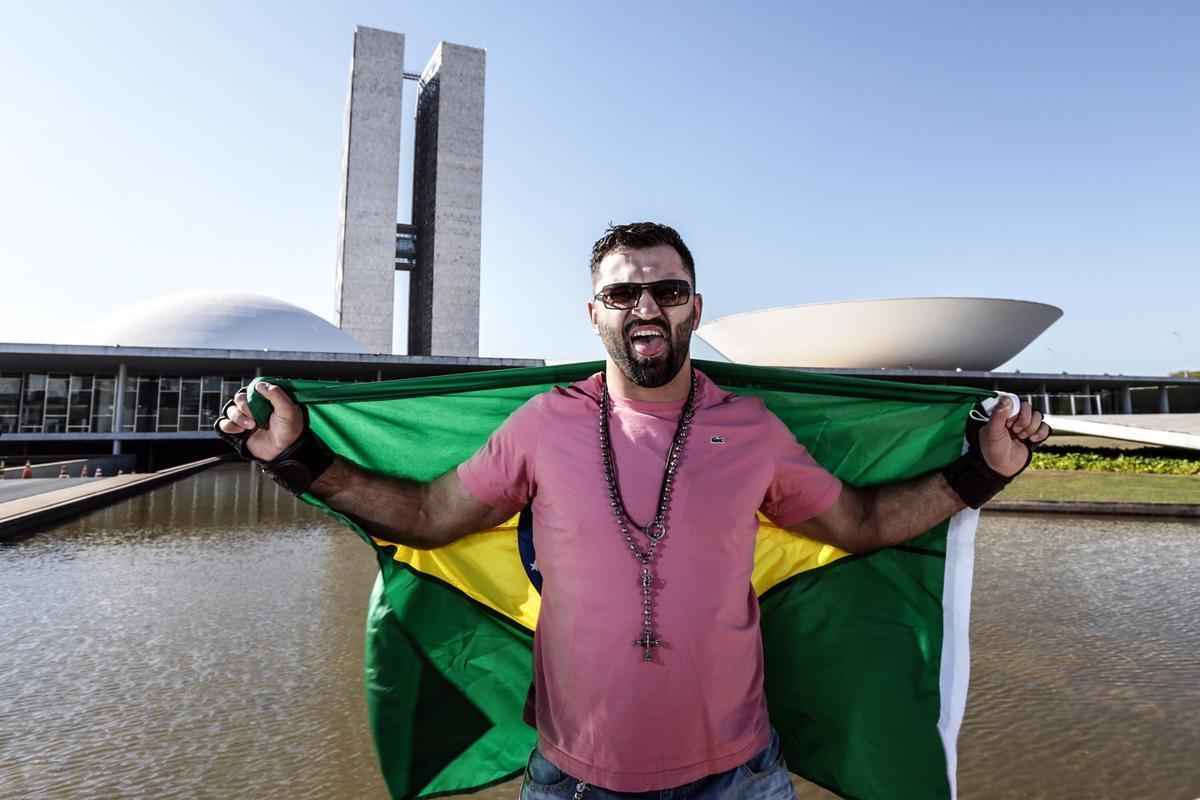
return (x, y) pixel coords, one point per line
(103, 405)
(35, 402)
(10, 402)
(55, 420)
(189, 405)
(78, 417)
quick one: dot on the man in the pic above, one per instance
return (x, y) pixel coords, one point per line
(645, 481)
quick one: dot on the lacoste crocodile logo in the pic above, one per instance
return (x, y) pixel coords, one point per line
(717, 440)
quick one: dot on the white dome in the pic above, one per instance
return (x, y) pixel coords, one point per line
(971, 333)
(224, 321)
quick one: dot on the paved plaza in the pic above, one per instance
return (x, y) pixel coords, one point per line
(1166, 430)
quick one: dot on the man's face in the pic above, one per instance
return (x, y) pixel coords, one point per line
(648, 343)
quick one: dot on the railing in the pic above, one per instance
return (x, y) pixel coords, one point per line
(1067, 403)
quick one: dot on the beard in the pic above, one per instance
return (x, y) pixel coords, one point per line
(653, 371)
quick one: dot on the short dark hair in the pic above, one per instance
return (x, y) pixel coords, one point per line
(638, 236)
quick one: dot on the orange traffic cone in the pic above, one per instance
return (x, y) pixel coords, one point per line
(27, 471)
(62, 471)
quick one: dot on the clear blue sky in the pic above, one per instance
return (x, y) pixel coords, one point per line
(808, 153)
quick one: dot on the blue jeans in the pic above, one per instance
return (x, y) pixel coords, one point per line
(764, 777)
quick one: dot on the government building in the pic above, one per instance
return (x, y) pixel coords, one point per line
(145, 392)
(154, 393)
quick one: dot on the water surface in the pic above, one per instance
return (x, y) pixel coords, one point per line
(205, 640)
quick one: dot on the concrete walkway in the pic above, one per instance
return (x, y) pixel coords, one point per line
(1178, 423)
(63, 490)
(37, 509)
(16, 489)
(1168, 430)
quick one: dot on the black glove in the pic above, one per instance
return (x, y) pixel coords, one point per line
(295, 469)
(969, 475)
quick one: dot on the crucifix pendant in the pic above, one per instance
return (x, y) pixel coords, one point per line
(647, 642)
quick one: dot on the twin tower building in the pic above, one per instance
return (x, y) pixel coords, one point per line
(440, 248)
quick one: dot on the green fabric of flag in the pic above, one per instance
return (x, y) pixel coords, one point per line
(865, 655)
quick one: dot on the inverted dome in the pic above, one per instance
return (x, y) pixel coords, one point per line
(970, 333)
(225, 321)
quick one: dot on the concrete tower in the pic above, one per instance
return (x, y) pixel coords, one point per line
(366, 277)
(441, 247)
(443, 294)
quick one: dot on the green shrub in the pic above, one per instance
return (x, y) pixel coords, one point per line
(1097, 462)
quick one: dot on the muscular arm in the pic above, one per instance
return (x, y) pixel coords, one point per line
(420, 515)
(865, 519)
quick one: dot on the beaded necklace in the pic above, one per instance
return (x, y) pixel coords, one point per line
(656, 529)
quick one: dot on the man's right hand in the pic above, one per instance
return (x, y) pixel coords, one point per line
(284, 426)
(420, 515)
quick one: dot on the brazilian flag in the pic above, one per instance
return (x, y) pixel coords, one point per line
(866, 656)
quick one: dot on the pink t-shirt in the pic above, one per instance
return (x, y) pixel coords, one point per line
(604, 715)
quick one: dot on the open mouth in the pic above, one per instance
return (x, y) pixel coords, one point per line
(648, 340)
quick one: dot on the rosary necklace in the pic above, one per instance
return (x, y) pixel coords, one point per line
(656, 529)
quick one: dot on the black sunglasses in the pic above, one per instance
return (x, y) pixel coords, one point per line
(626, 295)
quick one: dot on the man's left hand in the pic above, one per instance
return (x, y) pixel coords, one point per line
(1006, 441)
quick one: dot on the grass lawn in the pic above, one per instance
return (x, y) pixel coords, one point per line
(1092, 442)
(1103, 487)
